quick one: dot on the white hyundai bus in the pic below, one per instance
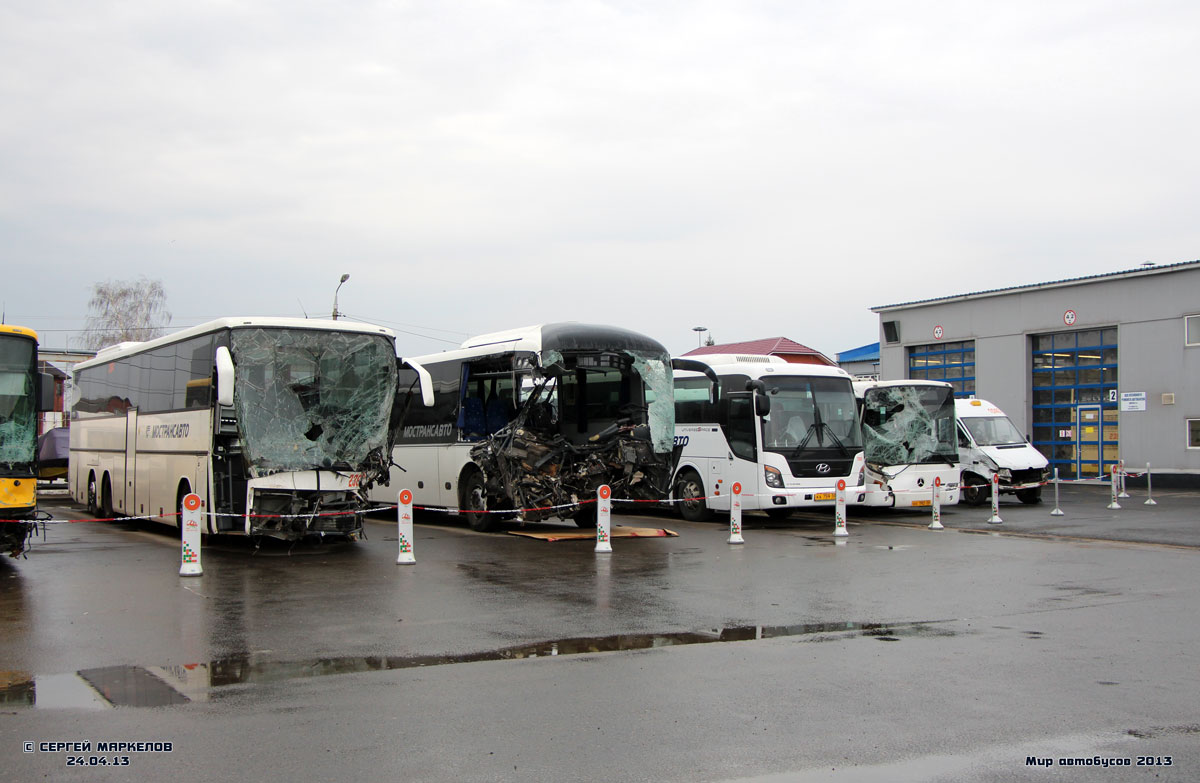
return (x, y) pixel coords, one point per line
(279, 425)
(787, 433)
(909, 442)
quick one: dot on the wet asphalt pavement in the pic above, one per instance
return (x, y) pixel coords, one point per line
(899, 653)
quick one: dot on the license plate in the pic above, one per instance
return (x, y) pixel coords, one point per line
(922, 502)
(825, 496)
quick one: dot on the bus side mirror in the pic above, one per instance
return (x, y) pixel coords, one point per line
(425, 380)
(225, 376)
(762, 403)
(45, 392)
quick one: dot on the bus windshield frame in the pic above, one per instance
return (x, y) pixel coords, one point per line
(810, 414)
(18, 406)
(309, 399)
(909, 425)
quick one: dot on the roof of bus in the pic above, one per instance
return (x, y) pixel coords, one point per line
(760, 366)
(566, 335)
(19, 330)
(124, 349)
(862, 386)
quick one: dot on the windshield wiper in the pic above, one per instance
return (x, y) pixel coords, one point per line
(815, 429)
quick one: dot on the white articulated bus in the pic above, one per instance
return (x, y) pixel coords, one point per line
(909, 442)
(280, 425)
(787, 433)
(535, 420)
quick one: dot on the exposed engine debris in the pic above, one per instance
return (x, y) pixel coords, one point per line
(535, 467)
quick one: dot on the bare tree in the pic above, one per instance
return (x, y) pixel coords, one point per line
(121, 311)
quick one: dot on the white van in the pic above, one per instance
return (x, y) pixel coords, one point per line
(989, 443)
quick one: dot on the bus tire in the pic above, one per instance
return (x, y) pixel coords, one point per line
(689, 496)
(585, 515)
(93, 500)
(106, 506)
(473, 498)
(183, 492)
(975, 491)
(1030, 496)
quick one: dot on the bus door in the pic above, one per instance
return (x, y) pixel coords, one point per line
(740, 463)
(124, 499)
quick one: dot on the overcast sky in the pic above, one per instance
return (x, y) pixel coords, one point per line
(761, 169)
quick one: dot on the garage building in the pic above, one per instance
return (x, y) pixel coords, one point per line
(1093, 369)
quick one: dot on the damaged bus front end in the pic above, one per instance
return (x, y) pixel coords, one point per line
(595, 407)
(304, 429)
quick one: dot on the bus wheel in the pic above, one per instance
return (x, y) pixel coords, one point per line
(474, 499)
(585, 515)
(93, 507)
(183, 492)
(689, 494)
(975, 490)
(106, 506)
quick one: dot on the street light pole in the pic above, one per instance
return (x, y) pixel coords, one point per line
(699, 330)
(335, 293)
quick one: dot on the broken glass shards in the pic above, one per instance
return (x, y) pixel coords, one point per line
(18, 420)
(905, 425)
(311, 399)
(656, 373)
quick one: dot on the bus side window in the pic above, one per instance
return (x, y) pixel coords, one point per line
(963, 441)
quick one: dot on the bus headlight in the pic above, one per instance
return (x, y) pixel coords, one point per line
(773, 477)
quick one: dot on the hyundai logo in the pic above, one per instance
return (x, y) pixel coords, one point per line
(823, 468)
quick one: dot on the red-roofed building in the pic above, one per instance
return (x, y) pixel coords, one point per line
(782, 347)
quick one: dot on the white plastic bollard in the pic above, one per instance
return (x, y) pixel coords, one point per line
(1115, 486)
(404, 523)
(604, 519)
(839, 510)
(936, 524)
(735, 515)
(1150, 501)
(1123, 494)
(1057, 512)
(189, 564)
(995, 518)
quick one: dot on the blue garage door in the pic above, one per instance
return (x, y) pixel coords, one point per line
(1075, 401)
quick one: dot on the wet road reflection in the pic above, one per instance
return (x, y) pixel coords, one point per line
(135, 686)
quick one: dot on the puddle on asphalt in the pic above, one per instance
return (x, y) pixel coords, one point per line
(136, 686)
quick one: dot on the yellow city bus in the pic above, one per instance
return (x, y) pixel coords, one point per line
(23, 394)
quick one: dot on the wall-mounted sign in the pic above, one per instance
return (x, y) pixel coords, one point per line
(1133, 401)
(1069, 318)
(938, 332)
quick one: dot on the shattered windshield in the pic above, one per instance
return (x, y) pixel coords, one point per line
(308, 399)
(909, 425)
(18, 416)
(657, 376)
(993, 430)
(810, 413)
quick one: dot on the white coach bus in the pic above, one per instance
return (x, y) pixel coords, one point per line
(787, 433)
(909, 442)
(536, 419)
(280, 425)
